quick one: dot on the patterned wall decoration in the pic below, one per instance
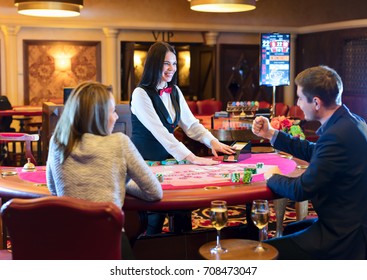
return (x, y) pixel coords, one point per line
(354, 66)
(50, 66)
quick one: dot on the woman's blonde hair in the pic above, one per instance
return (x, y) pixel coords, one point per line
(86, 111)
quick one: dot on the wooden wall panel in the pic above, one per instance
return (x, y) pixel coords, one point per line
(345, 51)
(239, 75)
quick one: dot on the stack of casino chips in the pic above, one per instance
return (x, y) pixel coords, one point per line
(251, 169)
(247, 176)
(235, 177)
(153, 163)
(166, 162)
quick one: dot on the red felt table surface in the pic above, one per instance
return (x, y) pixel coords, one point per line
(31, 184)
(189, 176)
(38, 176)
(192, 176)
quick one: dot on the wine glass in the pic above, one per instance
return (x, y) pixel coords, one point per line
(260, 217)
(218, 218)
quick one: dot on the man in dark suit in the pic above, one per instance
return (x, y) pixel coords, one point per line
(336, 179)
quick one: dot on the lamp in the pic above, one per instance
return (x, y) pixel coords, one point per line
(49, 8)
(62, 62)
(222, 6)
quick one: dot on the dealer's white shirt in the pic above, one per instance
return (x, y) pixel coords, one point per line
(142, 108)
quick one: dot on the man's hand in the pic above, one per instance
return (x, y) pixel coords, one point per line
(271, 172)
(262, 128)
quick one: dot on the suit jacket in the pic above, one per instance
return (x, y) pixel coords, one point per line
(336, 184)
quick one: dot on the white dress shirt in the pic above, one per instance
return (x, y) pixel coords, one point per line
(142, 108)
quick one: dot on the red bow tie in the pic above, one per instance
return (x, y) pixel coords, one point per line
(167, 90)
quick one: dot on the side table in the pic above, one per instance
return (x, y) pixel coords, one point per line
(239, 249)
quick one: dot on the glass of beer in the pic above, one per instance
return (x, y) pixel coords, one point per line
(260, 217)
(218, 218)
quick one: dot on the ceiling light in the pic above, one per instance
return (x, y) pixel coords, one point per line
(49, 8)
(222, 6)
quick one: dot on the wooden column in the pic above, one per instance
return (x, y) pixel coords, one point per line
(111, 61)
(289, 91)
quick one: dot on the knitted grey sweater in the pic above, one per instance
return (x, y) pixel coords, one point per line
(99, 169)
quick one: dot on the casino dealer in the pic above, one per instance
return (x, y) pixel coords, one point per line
(157, 108)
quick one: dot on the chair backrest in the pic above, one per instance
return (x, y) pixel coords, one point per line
(193, 106)
(281, 109)
(295, 112)
(264, 105)
(5, 121)
(208, 106)
(21, 137)
(63, 228)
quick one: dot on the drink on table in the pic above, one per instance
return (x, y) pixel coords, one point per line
(218, 218)
(260, 217)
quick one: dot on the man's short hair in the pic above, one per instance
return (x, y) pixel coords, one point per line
(322, 82)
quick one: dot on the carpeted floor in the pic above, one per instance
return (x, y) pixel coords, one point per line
(237, 216)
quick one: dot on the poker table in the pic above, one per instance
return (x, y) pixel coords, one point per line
(193, 190)
(185, 187)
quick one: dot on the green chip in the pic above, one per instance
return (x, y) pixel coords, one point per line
(250, 168)
(235, 177)
(169, 162)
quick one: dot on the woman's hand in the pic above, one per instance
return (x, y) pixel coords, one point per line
(220, 147)
(201, 160)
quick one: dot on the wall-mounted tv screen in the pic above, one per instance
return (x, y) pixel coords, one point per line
(275, 59)
(67, 92)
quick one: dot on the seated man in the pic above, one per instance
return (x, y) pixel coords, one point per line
(335, 180)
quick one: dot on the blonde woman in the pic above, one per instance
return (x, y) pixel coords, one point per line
(87, 161)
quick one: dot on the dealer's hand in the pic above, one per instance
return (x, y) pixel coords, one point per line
(217, 146)
(201, 160)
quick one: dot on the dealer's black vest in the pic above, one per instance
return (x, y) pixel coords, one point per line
(143, 139)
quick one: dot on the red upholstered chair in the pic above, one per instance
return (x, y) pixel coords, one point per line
(5, 255)
(264, 105)
(295, 112)
(63, 228)
(208, 106)
(6, 137)
(193, 107)
(281, 109)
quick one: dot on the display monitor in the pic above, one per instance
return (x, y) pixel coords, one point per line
(67, 92)
(275, 59)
